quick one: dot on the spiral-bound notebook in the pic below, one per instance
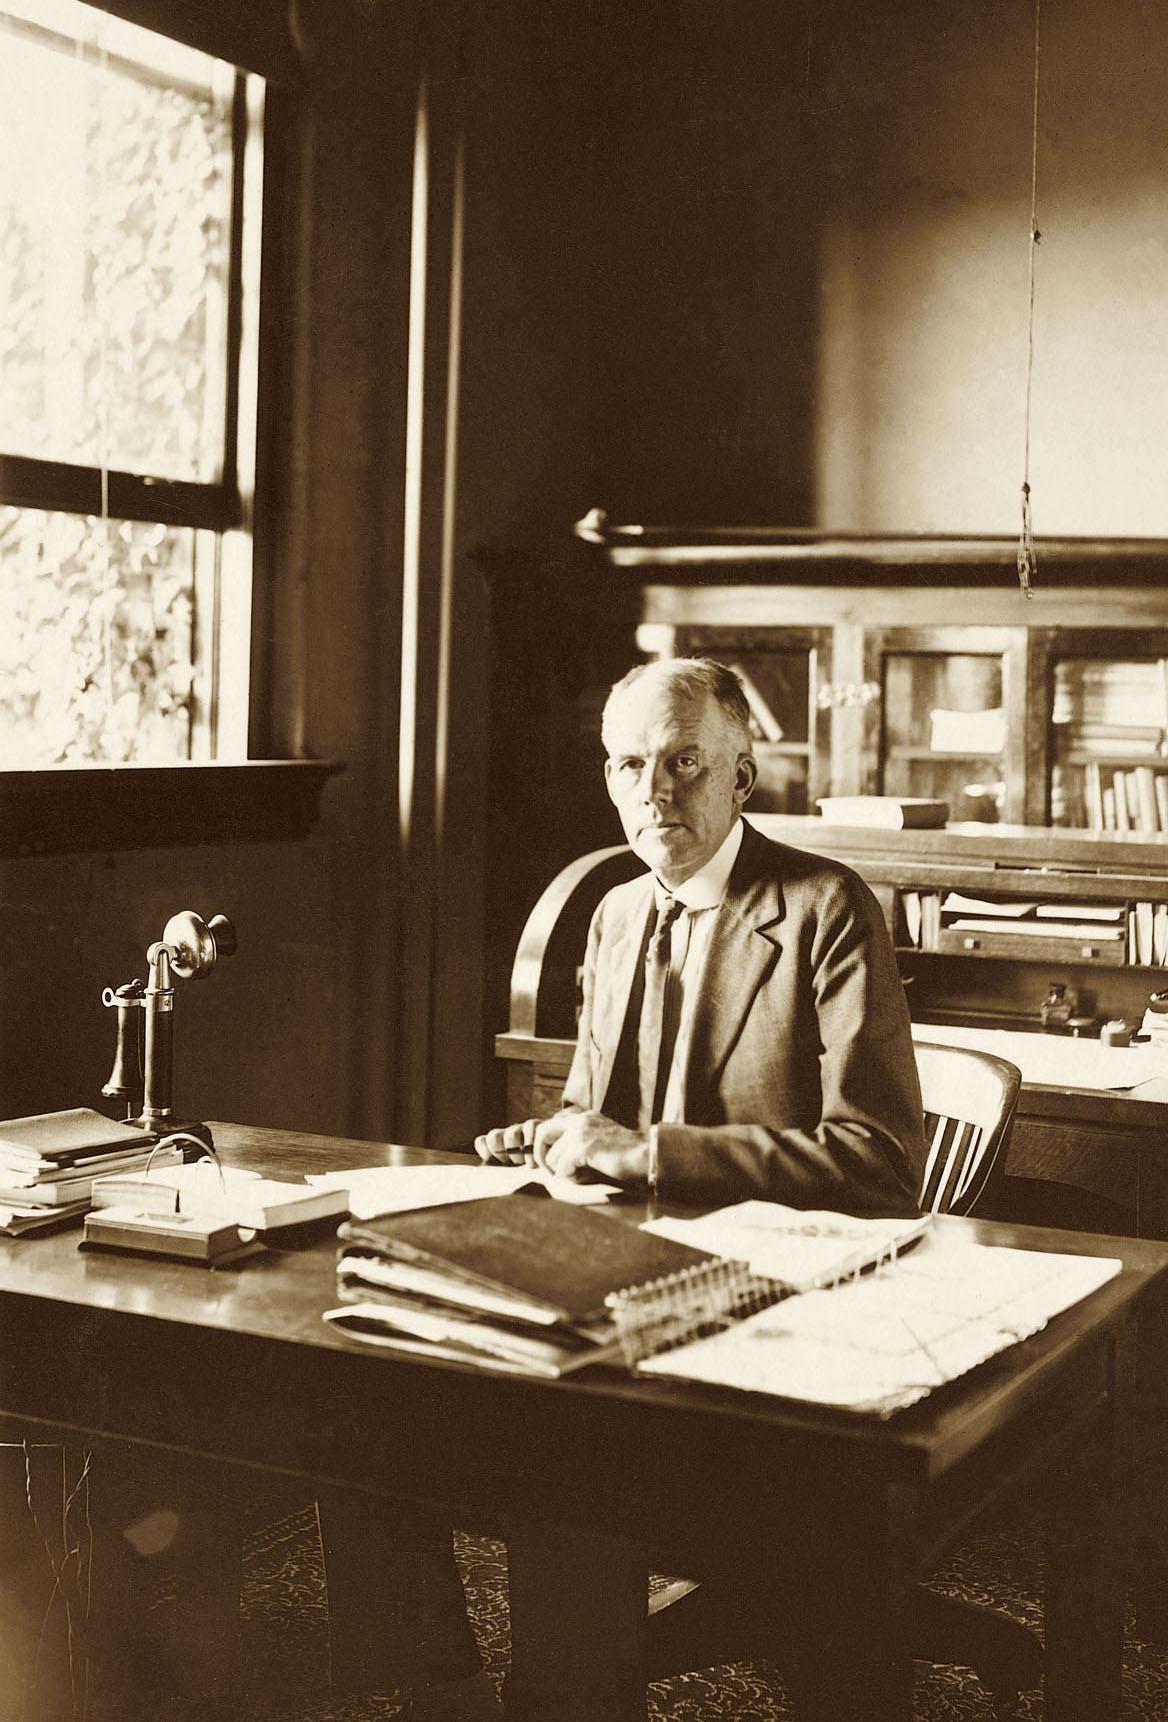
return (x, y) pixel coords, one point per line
(762, 1252)
(800, 1247)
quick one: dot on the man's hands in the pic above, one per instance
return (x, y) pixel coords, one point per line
(568, 1142)
(510, 1146)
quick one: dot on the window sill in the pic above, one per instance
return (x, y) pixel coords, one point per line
(67, 809)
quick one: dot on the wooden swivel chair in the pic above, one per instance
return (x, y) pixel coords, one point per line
(969, 1101)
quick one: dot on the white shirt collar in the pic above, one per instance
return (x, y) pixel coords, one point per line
(706, 888)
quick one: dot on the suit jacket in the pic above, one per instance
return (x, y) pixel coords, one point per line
(801, 1084)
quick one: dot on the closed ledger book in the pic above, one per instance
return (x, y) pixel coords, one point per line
(190, 1237)
(888, 812)
(516, 1283)
(70, 1138)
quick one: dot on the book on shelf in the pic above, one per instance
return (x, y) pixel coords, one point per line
(1107, 739)
(75, 1136)
(957, 903)
(1143, 922)
(1093, 795)
(886, 812)
(1094, 931)
(910, 908)
(1121, 801)
(1080, 911)
(1144, 780)
(188, 1237)
(1160, 934)
(1130, 798)
(226, 1192)
(1109, 694)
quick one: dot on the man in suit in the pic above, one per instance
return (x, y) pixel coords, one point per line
(744, 1032)
(781, 1062)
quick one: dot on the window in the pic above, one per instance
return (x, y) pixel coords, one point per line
(129, 263)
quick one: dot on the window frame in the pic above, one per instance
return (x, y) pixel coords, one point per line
(54, 808)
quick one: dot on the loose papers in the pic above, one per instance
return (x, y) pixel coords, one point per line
(885, 1340)
(377, 1190)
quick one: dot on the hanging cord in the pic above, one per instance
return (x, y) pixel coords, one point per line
(1027, 559)
(101, 311)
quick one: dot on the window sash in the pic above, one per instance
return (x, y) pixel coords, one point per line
(29, 482)
(58, 486)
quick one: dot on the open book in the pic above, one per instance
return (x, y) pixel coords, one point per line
(225, 1193)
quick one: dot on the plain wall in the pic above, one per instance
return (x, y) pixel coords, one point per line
(925, 255)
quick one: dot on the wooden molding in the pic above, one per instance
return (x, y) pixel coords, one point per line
(776, 555)
(68, 809)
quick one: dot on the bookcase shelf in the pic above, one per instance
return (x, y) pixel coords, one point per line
(889, 671)
(967, 972)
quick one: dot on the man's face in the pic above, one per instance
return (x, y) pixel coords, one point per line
(676, 774)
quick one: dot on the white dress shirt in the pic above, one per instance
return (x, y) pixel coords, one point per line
(690, 937)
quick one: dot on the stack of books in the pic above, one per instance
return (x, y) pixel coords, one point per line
(49, 1161)
(518, 1283)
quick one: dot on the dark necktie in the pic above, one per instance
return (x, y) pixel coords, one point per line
(649, 1061)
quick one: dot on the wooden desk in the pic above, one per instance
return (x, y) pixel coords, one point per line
(593, 1478)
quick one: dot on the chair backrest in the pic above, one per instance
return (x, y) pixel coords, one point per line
(969, 1098)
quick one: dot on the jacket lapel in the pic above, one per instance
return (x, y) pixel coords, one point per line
(743, 952)
(614, 985)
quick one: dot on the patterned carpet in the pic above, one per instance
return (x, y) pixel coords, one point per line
(285, 1638)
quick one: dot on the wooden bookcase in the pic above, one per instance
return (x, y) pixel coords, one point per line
(913, 691)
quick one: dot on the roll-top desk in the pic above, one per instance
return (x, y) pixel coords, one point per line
(1078, 1156)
